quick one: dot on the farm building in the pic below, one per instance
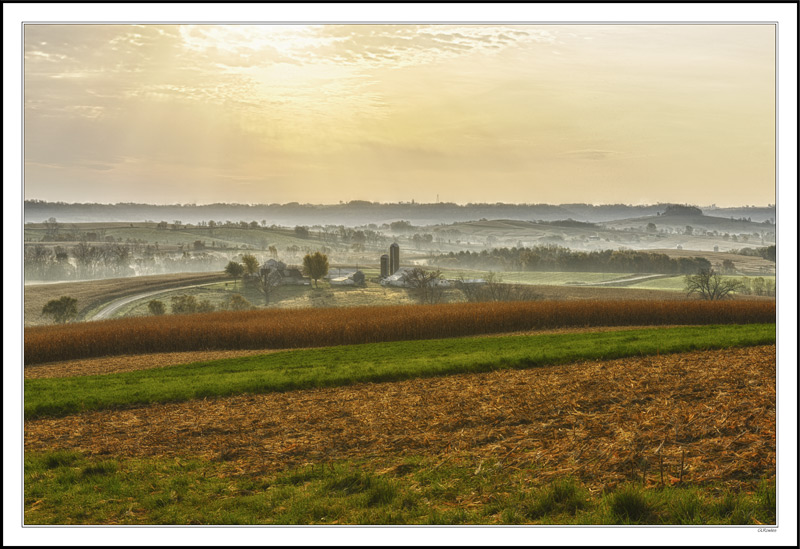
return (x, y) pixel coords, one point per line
(355, 278)
(289, 275)
(396, 279)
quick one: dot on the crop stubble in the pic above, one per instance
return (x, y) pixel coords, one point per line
(604, 422)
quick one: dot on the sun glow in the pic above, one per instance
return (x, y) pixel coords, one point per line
(384, 112)
(250, 39)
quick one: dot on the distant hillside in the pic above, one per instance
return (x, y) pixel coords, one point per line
(682, 220)
(757, 214)
(350, 214)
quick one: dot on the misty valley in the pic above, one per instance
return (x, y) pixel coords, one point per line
(65, 248)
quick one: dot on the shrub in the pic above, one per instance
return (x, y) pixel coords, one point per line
(156, 307)
(205, 306)
(62, 309)
(184, 304)
(237, 303)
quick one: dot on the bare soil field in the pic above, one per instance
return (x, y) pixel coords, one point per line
(92, 293)
(696, 417)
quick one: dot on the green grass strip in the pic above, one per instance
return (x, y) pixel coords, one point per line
(343, 365)
(69, 488)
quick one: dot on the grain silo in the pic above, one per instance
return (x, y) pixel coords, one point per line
(385, 266)
(394, 258)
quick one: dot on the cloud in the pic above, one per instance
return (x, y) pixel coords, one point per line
(590, 154)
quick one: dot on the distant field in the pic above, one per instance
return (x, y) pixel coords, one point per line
(744, 264)
(260, 238)
(539, 278)
(677, 283)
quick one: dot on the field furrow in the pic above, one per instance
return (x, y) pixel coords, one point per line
(603, 422)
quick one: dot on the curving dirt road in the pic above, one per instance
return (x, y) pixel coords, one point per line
(623, 281)
(115, 305)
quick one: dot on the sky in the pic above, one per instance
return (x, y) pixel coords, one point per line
(553, 113)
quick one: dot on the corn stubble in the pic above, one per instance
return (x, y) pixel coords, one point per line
(270, 328)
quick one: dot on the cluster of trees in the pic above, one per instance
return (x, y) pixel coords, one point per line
(758, 286)
(681, 209)
(556, 258)
(266, 279)
(571, 223)
(189, 304)
(493, 289)
(711, 285)
(108, 260)
(356, 238)
(429, 287)
(88, 261)
(767, 252)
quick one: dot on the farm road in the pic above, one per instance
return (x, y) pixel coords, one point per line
(625, 281)
(115, 305)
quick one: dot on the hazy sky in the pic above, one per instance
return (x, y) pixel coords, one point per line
(468, 113)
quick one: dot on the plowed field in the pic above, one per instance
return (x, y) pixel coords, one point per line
(603, 422)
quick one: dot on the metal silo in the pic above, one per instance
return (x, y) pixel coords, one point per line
(385, 266)
(394, 258)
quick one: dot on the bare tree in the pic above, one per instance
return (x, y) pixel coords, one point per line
(427, 286)
(728, 266)
(268, 280)
(711, 286)
(492, 288)
(51, 228)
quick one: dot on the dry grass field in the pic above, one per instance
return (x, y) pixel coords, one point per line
(264, 329)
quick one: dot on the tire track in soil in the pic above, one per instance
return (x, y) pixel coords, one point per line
(595, 420)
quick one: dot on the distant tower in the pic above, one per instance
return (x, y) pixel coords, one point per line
(394, 258)
(385, 266)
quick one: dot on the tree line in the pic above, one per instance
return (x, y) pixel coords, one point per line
(556, 258)
(767, 252)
